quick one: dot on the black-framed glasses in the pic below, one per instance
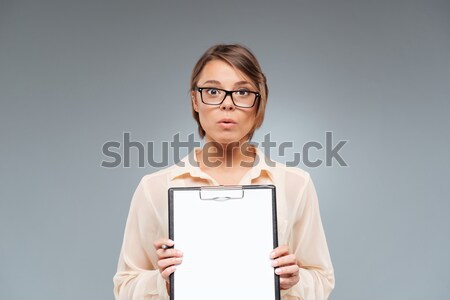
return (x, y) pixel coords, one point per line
(240, 98)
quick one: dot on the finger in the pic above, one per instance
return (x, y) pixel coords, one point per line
(166, 272)
(165, 263)
(291, 270)
(158, 243)
(168, 253)
(279, 251)
(288, 282)
(286, 260)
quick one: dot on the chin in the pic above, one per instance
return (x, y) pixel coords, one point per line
(226, 140)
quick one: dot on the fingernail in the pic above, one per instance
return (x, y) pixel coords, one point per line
(179, 253)
(272, 254)
(277, 271)
(274, 263)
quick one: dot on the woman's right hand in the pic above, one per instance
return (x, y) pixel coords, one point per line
(168, 259)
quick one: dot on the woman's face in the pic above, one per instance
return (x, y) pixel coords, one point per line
(224, 123)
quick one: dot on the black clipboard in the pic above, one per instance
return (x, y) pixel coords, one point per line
(226, 234)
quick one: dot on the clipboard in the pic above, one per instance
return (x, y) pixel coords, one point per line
(226, 234)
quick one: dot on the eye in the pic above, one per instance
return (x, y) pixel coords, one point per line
(212, 91)
(242, 92)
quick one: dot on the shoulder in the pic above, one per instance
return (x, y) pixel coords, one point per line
(158, 174)
(292, 171)
(292, 176)
(159, 180)
(294, 179)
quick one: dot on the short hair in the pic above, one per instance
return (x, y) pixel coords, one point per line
(241, 58)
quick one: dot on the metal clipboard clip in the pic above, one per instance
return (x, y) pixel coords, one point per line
(221, 193)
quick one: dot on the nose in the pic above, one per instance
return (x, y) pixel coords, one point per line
(227, 103)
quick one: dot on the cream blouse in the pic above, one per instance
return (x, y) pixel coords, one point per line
(299, 226)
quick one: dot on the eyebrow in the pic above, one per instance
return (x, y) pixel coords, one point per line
(236, 84)
(211, 81)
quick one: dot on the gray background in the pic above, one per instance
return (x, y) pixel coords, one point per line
(76, 74)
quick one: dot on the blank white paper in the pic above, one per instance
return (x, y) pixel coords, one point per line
(226, 246)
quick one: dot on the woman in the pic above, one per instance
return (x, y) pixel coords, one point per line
(229, 95)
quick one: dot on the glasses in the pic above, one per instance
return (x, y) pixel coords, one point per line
(240, 98)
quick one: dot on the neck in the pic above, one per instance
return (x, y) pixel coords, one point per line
(230, 156)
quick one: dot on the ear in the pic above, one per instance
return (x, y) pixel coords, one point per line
(194, 101)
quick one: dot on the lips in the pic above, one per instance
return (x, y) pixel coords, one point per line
(227, 121)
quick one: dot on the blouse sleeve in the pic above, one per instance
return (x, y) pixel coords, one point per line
(136, 277)
(309, 245)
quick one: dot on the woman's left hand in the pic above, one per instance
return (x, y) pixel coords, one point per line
(286, 266)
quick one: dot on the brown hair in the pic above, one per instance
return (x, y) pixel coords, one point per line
(242, 59)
